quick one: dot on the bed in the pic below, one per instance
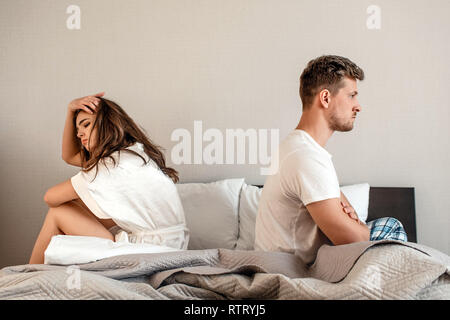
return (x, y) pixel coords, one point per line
(364, 270)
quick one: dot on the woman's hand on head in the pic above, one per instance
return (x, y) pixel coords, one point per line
(84, 103)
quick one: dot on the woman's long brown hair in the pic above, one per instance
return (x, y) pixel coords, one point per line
(115, 132)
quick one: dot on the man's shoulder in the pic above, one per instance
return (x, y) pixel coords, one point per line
(298, 145)
(303, 157)
(300, 140)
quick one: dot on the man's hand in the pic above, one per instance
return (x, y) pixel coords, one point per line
(348, 209)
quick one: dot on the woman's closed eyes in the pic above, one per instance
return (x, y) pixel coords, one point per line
(87, 124)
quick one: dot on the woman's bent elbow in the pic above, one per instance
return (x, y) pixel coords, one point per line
(46, 198)
(48, 201)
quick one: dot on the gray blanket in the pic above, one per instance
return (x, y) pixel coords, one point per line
(365, 270)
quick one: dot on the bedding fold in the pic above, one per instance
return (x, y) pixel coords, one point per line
(368, 270)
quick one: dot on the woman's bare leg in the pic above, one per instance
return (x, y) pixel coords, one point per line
(71, 219)
(48, 230)
(107, 223)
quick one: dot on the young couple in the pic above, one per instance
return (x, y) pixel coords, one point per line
(125, 185)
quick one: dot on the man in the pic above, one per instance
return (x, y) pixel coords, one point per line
(301, 206)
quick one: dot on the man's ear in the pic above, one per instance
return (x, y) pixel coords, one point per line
(324, 98)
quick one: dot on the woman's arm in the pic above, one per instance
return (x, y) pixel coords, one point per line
(57, 195)
(69, 142)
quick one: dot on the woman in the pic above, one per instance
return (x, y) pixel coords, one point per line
(124, 191)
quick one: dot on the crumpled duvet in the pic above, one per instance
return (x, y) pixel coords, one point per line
(365, 270)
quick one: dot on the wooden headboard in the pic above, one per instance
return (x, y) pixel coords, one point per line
(393, 202)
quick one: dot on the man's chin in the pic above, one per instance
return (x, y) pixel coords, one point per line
(342, 128)
(336, 125)
(346, 129)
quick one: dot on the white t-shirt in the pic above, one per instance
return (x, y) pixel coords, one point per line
(306, 174)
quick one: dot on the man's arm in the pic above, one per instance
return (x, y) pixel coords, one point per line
(344, 199)
(60, 194)
(335, 223)
(347, 207)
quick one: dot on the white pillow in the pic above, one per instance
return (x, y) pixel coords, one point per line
(211, 211)
(358, 196)
(248, 209)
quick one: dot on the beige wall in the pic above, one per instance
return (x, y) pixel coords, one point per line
(231, 64)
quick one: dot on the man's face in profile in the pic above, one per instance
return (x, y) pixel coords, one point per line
(344, 107)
